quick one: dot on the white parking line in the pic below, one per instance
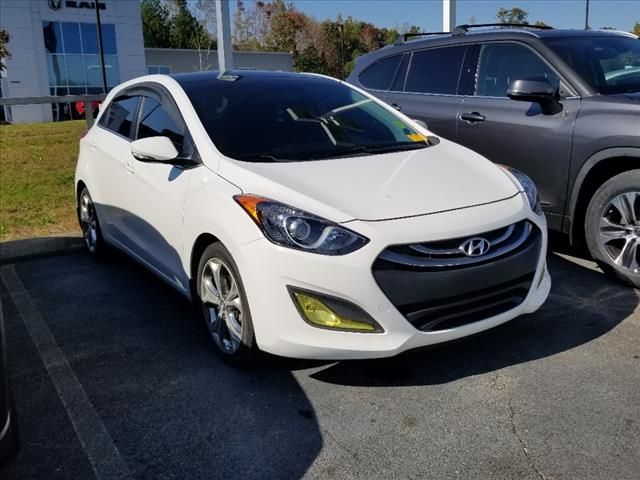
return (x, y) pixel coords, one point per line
(103, 455)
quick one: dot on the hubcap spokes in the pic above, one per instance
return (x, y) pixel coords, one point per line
(620, 231)
(88, 222)
(222, 305)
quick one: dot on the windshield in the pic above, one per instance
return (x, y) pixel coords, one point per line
(608, 64)
(264, 118)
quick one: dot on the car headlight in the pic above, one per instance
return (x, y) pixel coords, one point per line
(528, 187)
(294, 228)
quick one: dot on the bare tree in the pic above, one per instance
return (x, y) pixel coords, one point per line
(203, 41)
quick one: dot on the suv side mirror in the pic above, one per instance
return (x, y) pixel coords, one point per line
(538, 91)
(154, 149)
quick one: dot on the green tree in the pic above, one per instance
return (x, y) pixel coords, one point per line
(283, 27)
(514, 15)
(636, 29)
(310, 60)
(185, 29)
(156, 24)
(4, 51)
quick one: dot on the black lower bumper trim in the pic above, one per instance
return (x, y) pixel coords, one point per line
(445, 299)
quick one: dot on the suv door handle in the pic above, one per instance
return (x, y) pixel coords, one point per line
(472, 117)
(396, 106)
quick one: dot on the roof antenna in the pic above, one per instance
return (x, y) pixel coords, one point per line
(228, 76)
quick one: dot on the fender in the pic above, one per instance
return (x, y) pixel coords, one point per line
(587, 166)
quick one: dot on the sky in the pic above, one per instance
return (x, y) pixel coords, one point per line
(427, 14)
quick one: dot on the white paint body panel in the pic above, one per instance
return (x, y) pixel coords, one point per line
(441, 192)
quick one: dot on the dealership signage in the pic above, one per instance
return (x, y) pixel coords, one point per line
(56, 4)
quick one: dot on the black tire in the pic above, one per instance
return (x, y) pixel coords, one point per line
(10, 444)
(92, 236)
(245, 352)
(600, 207)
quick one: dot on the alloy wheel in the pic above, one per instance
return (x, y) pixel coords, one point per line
(222, 305)
(88, 222)
(620, 231)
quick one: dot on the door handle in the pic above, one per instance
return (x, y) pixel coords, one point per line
(472, 117)
(396, 106)
(93, 144)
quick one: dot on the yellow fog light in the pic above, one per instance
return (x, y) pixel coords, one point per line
(318, 313)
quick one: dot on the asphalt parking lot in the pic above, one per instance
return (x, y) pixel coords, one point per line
(114, 377)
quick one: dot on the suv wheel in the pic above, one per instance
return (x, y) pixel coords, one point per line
(225, 307)
(612, 227)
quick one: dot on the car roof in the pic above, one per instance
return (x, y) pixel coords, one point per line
(501, 33)
(231, 75)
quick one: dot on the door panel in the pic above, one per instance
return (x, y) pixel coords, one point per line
(109, 144)
(517, 133)
(439, 111)
(157, 191)
(157, 198)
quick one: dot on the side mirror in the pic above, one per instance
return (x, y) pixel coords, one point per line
(422, 123)
(154, 149)
(537, 91)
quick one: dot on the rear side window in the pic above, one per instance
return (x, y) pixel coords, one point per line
(436, 70)
(156, 120)
(401, 76)
(380, 75)
(120, 116)
(502, 63)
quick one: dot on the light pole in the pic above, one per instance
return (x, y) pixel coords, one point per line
(341, 28)
(225, 47)
(586, 16)
(100, 49)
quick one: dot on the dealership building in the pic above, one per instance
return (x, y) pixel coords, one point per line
(54, 51)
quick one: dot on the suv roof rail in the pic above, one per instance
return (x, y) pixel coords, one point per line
(407, 36)
(464, 28)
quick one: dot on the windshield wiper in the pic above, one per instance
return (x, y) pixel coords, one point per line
(358, 150)
(261, 158)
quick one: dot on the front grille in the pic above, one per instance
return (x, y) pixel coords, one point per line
(445, 254)
(453, 312)
(435, 288)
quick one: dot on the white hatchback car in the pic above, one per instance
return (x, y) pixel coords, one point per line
(307, 217)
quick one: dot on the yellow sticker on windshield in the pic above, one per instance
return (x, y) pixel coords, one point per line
(417, 137)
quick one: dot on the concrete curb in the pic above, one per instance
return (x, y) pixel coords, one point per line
(20, 250)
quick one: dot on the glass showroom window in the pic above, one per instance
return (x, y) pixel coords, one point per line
(73, 61)
(154, 69)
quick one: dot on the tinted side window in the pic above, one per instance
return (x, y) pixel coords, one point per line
(120, 115)
(500, 64)
(379, 75)
(156, 120)
(401, 75)
(436, 70)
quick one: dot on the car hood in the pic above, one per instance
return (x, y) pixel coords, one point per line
(378, 187)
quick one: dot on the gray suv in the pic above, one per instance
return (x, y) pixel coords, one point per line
(563, 106)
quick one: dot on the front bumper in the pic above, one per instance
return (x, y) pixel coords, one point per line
(267, 270)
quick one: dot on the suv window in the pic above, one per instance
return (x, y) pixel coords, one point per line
(379, 75)
(609, 64)
(501, 63)
(156, 120)
(435, 70)
(119, 117)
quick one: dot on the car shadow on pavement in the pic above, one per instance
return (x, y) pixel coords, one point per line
(582, 306)
(143, 356)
